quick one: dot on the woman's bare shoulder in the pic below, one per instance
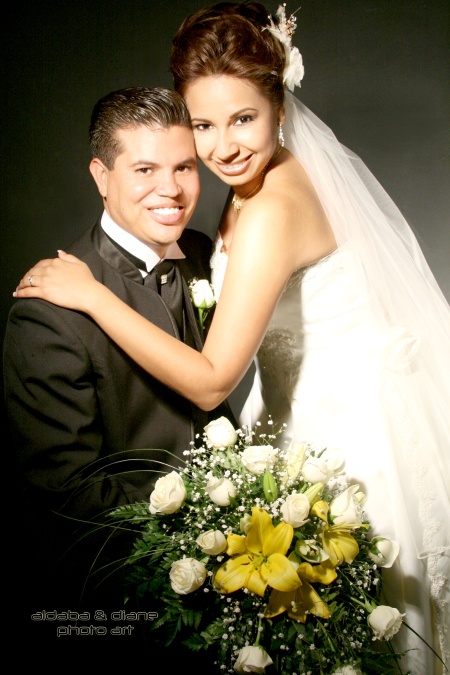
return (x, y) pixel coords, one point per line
(288, 211)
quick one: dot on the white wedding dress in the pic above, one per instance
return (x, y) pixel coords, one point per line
(342, 378)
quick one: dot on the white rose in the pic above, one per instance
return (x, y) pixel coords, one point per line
(321, 469)
(221, 433)
(295, 510)
(295, 456)
(385, 621)
(187, 575)
(168, 495)
(212, 542)
(347, 670)
(258, 458)
(346, 508)
(383, 551)
(202, 294)
(220, 490)
(315, 470)
(252, 660)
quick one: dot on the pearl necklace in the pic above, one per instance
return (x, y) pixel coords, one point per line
(239, 201)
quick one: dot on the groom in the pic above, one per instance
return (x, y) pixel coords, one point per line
(80, 410)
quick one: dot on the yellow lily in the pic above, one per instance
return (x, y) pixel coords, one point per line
(336, 539)
(303, 600)
(259, 559)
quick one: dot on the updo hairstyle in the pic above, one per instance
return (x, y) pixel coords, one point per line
(227, 39)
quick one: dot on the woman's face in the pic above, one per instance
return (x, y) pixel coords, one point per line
(235, 128)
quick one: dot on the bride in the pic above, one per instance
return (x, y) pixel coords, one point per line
(322, 282)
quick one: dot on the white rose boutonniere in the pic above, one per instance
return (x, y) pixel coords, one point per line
(203, 298)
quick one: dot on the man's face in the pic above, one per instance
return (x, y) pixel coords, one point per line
(154, 186)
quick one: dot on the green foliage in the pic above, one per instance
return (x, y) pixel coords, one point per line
(219, 625)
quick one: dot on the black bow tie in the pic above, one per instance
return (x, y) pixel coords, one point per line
(162, 273)
(165, 279)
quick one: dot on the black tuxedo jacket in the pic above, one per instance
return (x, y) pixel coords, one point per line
(83, 414)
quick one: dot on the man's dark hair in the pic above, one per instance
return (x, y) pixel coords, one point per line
(156, 107)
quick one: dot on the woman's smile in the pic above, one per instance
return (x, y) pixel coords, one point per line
(235, 127)
(234, 168)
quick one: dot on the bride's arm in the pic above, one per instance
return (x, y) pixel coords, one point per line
(259, 265)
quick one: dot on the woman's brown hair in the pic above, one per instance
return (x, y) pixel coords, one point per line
(227, 38)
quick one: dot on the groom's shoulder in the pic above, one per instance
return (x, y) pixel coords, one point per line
(87, 247)
(83, 244)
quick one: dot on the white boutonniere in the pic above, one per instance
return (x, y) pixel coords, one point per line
(203, 298)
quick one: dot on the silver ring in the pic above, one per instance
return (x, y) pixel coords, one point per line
(30, 280)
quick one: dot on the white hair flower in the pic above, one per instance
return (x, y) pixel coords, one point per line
(283, 31)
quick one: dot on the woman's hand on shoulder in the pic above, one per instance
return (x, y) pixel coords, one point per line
(65, 281)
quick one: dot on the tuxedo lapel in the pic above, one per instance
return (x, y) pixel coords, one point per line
(114, 257)
(197, 249)
(191, 325)
(188, 269)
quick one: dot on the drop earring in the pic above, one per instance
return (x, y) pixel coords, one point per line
(280, 136)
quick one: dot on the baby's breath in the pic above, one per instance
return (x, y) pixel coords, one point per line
(224, 623)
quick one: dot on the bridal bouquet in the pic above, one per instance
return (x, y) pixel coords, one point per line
(258, 556)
